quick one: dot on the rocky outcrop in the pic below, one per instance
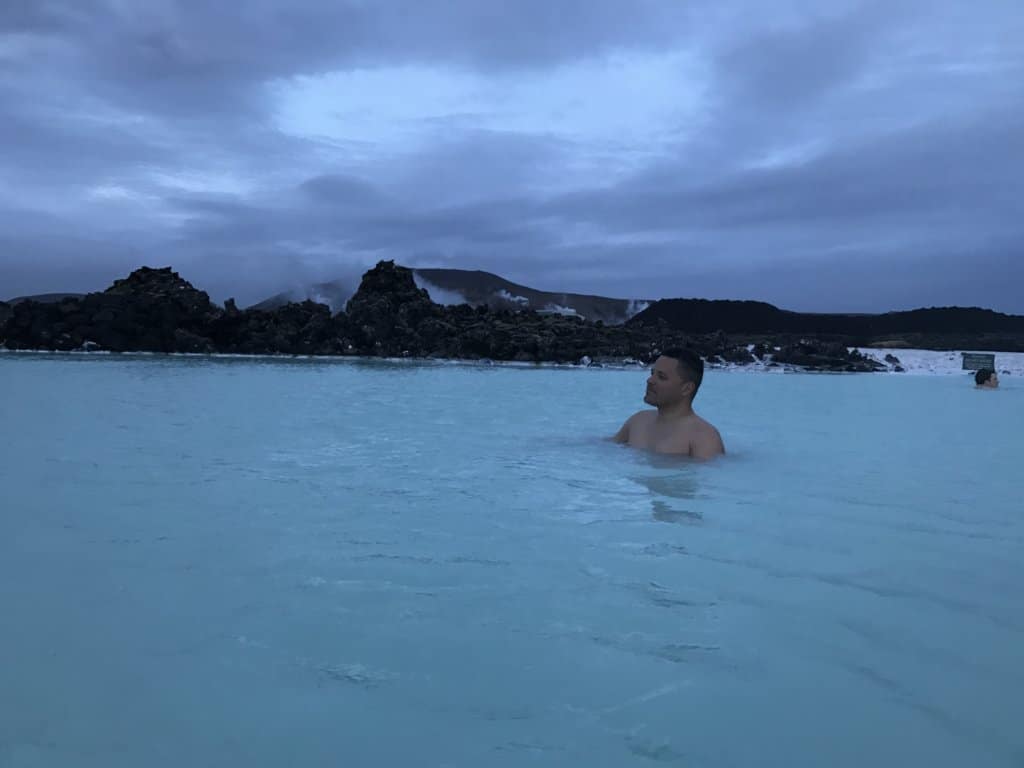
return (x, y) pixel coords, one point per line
(306, 328)
(151, 310)
(389, 313)
(156, 310)
(476, 288)
(825, 355)
(5, 313)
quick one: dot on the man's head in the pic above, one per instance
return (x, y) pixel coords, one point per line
(675, 376)
(986, 377)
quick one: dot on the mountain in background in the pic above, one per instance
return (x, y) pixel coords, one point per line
(334, 294)
(931, 328)
(45, 298)
(707, 316)
(475, 287)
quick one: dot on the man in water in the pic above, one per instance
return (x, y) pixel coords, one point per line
(674, 427)
(986, 378)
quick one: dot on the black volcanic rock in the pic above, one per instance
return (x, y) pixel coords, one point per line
(709, 316)
(150, 310)
(156, 310)
(305, 329)
(737, 354)
(477, 289)
(390, 316)
(921, 326)
(815, 354)
(385, 314)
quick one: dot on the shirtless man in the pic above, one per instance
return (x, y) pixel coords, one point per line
(674, 427)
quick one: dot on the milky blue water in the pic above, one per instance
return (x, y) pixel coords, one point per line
(211, 562)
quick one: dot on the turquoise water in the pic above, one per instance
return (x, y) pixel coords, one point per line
(214, 562)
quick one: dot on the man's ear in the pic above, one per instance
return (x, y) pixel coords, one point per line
(689, 387)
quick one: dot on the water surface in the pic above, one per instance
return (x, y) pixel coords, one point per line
(255, 562)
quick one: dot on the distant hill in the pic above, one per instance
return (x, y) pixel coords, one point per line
(932, 328)
(46, 298)
(475, 287)
(478, 287)
(707, 316)
(334, 294)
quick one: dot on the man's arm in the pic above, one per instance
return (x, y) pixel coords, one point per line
(622, 436)
(707, 444)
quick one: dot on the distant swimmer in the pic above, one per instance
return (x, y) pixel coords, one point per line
(674, 427)
(986, 378)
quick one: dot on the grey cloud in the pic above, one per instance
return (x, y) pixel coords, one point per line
(376, 227)
(199, 58)
(911, 114)
(791, 66)
(73, 264)
(856, 280)
(956, 173)
(40, 143)
(338, 189)
(476, 164)
(32, 16)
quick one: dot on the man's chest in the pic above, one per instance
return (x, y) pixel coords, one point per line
(662, 439)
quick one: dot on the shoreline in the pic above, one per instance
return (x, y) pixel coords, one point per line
(156, 310)
(916, 362)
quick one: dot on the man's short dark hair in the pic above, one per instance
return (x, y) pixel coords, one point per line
(691, 366)
(983, 375)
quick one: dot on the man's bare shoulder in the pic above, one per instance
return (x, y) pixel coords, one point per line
(642, 421)
(706, 440)
(703, 426)
(630, 426)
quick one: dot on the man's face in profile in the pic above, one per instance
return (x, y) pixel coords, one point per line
(665, 385)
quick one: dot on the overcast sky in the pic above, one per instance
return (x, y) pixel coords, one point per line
(822, 155)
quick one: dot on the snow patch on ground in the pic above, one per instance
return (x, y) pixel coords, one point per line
(927, 362)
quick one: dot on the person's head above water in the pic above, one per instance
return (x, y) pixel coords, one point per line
(674, 427)
(675, 377)
(987, 378)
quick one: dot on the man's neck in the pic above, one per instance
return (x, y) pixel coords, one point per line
(675, 412)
